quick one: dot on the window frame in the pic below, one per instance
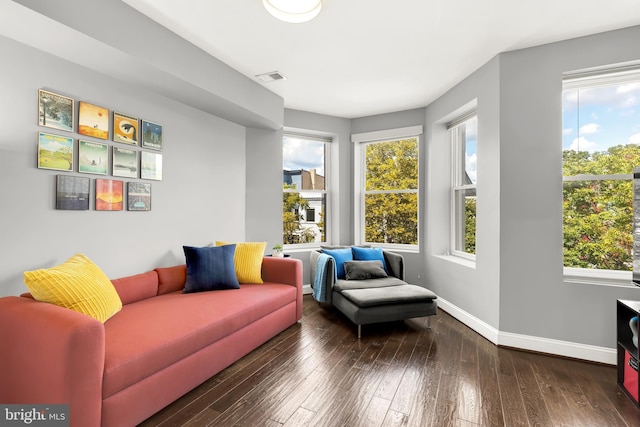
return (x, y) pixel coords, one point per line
(361, 140)
(457, 188)
(586, 79)
(327, 141)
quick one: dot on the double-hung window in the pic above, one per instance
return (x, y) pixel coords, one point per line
(464, 180)
(387, 185)
(304, 189)
(600, 148)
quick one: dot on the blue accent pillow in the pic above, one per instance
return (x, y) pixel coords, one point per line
(369, 254)
(210, 268)
(340, 256)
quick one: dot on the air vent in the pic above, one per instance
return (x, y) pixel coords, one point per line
(271, 77)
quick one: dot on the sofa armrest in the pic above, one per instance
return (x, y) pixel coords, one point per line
(51, 355)
(287, 271)
(395, 264)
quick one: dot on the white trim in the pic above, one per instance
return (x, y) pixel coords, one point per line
(601, 76)
(387, 134)
(560, 348)
(481, 327)
(610, 177)
(470, 263)
(306, 290)
(526, 342)
(359, 181)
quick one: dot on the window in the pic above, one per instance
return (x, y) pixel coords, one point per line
(304, 197)
(464, 180)
(600, 148)
(387, 184)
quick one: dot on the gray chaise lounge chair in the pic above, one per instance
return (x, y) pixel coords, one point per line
(372, 300)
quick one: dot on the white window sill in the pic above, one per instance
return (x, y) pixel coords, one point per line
(408, 249)
(584, 276)
(458, 260)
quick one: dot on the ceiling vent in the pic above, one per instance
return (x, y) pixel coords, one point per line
(271, 77)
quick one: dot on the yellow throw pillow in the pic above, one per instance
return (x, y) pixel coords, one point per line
(248, 261)
(77, 284)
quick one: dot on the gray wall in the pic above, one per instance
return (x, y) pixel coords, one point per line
(531, 280)
(474, 289)
(263, 190)
(200, 199)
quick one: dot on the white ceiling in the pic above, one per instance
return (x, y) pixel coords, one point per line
(365, 57)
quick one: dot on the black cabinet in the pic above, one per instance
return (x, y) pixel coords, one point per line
(628, 354)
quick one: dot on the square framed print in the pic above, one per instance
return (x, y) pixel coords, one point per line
(72, 193)
(93, 157)
(109, 194)
(125, 128)
(138, 196)
(125, 162)
(55, 152)
(93, 120)
(55, 111)
(151, 135)
(151, 166)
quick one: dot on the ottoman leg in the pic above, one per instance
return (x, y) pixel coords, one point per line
(359, 331)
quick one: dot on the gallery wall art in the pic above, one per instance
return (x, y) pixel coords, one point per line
(131, 160)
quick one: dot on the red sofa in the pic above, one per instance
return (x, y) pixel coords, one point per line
(162, 343)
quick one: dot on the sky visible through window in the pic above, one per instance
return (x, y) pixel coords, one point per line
(299, 153)
(607, 116)
(471, 150)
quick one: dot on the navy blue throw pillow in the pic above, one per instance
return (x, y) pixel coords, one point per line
(210, 268)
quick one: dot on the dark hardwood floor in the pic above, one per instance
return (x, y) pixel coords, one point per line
(317, 373)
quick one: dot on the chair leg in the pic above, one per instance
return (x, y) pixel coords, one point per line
(359, 331)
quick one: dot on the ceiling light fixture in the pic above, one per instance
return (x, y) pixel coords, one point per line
(294, 11)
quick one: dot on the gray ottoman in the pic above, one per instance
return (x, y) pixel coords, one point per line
(384, 304)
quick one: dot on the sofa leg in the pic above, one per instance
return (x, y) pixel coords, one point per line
(428, 322)
(359, 331)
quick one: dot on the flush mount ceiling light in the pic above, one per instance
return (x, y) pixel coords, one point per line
(294, 11)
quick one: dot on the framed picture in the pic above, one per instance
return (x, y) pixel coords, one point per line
(72, 193)
(125, 162)
(55, 111)
(125, 128)
(151, 166)
(109, 194)
(151, 135)
(55, 152)
(138, 196)
(93, 120)
(93, 157)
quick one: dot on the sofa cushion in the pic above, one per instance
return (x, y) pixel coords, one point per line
(389, 295)
(345, 285)
(171, 279)
(137, 287)
(340, 256)
(150, 335)
(77, 284)
(210, 268)
(361, 270)
(248, 260)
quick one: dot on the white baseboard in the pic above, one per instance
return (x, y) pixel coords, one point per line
(526, 342)
(306, 289)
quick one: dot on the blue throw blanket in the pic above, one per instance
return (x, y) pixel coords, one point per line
(319, 282)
